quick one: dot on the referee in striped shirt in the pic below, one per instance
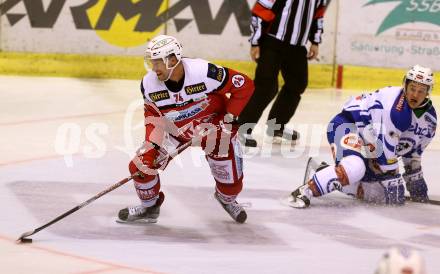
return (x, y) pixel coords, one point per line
(280, 32)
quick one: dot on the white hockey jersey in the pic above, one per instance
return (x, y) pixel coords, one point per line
(414, 141)
(208, 91)
(381, 118)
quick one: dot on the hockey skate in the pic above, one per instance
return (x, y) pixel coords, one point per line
(234, 209)
(140, 214)
(280, 136)
(300, 197)
(247, 140)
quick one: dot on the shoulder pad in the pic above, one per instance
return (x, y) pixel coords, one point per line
(401, 113)
(215, 72)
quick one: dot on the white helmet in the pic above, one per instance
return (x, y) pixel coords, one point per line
(420, 75)
(396, 261)
(161, 47)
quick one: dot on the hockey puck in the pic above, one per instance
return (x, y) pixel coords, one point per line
(25, 240)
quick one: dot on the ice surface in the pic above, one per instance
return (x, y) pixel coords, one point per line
(194, 234)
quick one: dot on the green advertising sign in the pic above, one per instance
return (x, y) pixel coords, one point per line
(409, 11)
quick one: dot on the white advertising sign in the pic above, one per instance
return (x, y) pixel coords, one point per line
(383, 33)
(389, 33)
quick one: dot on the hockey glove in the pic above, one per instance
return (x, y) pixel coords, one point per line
(416, 185)
(394, 189)
(143, 164)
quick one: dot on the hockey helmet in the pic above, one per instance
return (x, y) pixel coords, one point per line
(397, 261)
(420, 75)
(161, 47)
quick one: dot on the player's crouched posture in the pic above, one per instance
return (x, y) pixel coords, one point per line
(367, 138)
(188, 99)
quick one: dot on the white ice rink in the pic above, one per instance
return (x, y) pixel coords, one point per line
(98, 123)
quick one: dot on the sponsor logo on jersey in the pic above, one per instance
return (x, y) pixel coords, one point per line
(405, 146)
(215, 72)
(419, 131)
(238, 80)
(219, 76)
(191, 112)
(159, 95)
(353, 142)
(399, 105)
(222, 171)
(429, 119)
(196, 88)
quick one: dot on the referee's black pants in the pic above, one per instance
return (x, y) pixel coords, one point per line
(292, 61)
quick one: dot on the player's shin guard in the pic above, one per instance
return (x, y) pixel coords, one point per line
(351, 169)
(327, 179)
(226, 195)
(324, 181)
(148, 192)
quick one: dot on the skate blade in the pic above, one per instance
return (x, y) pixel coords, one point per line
(139, 222)
(279, 141)
(291, 202)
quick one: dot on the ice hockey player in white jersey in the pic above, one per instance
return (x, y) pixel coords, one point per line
(401, 261)
(188, 100)
(367, 138)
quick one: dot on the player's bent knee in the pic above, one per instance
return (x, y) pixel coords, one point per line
(351, 169)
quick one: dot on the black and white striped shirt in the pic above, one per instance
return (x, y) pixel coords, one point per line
(292, 21)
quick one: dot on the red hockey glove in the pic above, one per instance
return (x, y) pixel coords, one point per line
(144, 164)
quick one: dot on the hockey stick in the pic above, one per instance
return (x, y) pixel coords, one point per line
(23, 238)
(430, 202)
(311, 166)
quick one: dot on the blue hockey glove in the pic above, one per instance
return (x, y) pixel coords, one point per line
(416, 185)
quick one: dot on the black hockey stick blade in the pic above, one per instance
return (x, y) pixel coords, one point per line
(430, 202)
(23, 238)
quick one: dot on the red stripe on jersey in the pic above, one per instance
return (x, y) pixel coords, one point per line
(319, 13)
(262, 12)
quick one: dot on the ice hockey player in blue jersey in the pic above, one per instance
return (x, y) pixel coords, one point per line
(368, 137)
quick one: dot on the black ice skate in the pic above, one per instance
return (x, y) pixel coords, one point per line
(300, 197)
(248, 141)
(234, 209)
(283, 135)
(141, 214)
